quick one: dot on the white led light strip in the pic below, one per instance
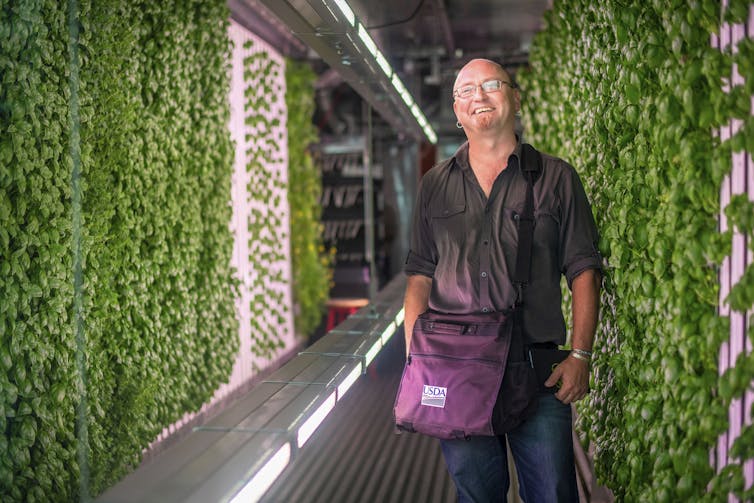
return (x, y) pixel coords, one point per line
(382, 62)
(387, 333)
(259, 483)
(349, 381)
(312, 423)
(345, 9)
(373, 351)
(367, 39)
(399, 317)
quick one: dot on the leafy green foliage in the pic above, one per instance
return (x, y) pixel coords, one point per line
(38, 448)
(265, 118)
(630, 93)
(311, 264)
(158, 300)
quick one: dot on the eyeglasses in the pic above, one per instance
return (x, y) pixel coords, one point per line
(487, 86)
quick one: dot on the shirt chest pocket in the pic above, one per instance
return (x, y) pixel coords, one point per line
(449, 225)
(546, 228)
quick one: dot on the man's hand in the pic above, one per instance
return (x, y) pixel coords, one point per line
(574, 376)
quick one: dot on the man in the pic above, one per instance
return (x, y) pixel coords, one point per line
(461, 258)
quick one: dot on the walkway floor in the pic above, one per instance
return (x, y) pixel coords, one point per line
(356, 456)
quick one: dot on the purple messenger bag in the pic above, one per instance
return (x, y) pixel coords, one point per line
(453, 374)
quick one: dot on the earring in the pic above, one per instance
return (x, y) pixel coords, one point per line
(458, 125)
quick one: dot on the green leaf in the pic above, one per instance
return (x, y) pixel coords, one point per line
(738, 11)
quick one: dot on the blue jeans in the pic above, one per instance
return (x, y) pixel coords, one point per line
(542, 449)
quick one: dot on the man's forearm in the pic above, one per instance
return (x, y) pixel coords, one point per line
(573, 372)
(586, 304)
(415, 302)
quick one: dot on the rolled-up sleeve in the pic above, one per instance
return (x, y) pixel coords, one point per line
(579, 239)
(422, 254)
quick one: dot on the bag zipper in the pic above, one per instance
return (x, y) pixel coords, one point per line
(456, 358)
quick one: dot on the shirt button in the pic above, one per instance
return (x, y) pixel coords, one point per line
(484, 274)
(485, 309)
(485, 242)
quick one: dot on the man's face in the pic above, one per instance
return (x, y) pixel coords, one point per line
(492, 110)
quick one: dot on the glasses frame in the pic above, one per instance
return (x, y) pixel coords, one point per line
(474, 87)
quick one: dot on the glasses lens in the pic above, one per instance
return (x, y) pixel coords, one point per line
(491, 85)
(466, 91)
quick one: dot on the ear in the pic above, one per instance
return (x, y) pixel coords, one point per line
(455, 109)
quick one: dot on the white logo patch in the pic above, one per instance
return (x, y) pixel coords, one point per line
(434, 396)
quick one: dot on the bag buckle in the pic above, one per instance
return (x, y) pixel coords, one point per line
(469, 329)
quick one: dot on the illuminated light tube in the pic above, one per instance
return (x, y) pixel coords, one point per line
(386, 68)
(348, 382)
(259, 483)
(415, 110)
(398, 84)
(345, 9)
(400, 317)
(383, 63)
(373, 351)
(405, 95)
(419, 115)
(310, 425)
(364, 36)
(387, 333)
(408, 99)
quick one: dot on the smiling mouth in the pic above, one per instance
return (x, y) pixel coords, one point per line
(482, 110)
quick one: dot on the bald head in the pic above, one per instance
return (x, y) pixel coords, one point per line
(473, 66)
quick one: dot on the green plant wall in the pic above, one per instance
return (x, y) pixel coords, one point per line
(36, 270)
(159, 327)
(630, 93)
(311, 263)
(265, 117)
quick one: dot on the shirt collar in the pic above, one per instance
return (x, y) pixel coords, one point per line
(461, 156)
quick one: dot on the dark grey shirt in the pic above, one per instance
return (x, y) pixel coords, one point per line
(462, 239)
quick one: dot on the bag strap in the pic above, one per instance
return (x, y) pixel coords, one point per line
(531, 166)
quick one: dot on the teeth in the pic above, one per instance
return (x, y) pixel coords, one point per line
(480, 110)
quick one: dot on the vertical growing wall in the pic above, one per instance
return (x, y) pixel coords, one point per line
(260, 213)
(311, 264)
(631, 93)
(736, 196)
(260, 205)
(157, 332)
